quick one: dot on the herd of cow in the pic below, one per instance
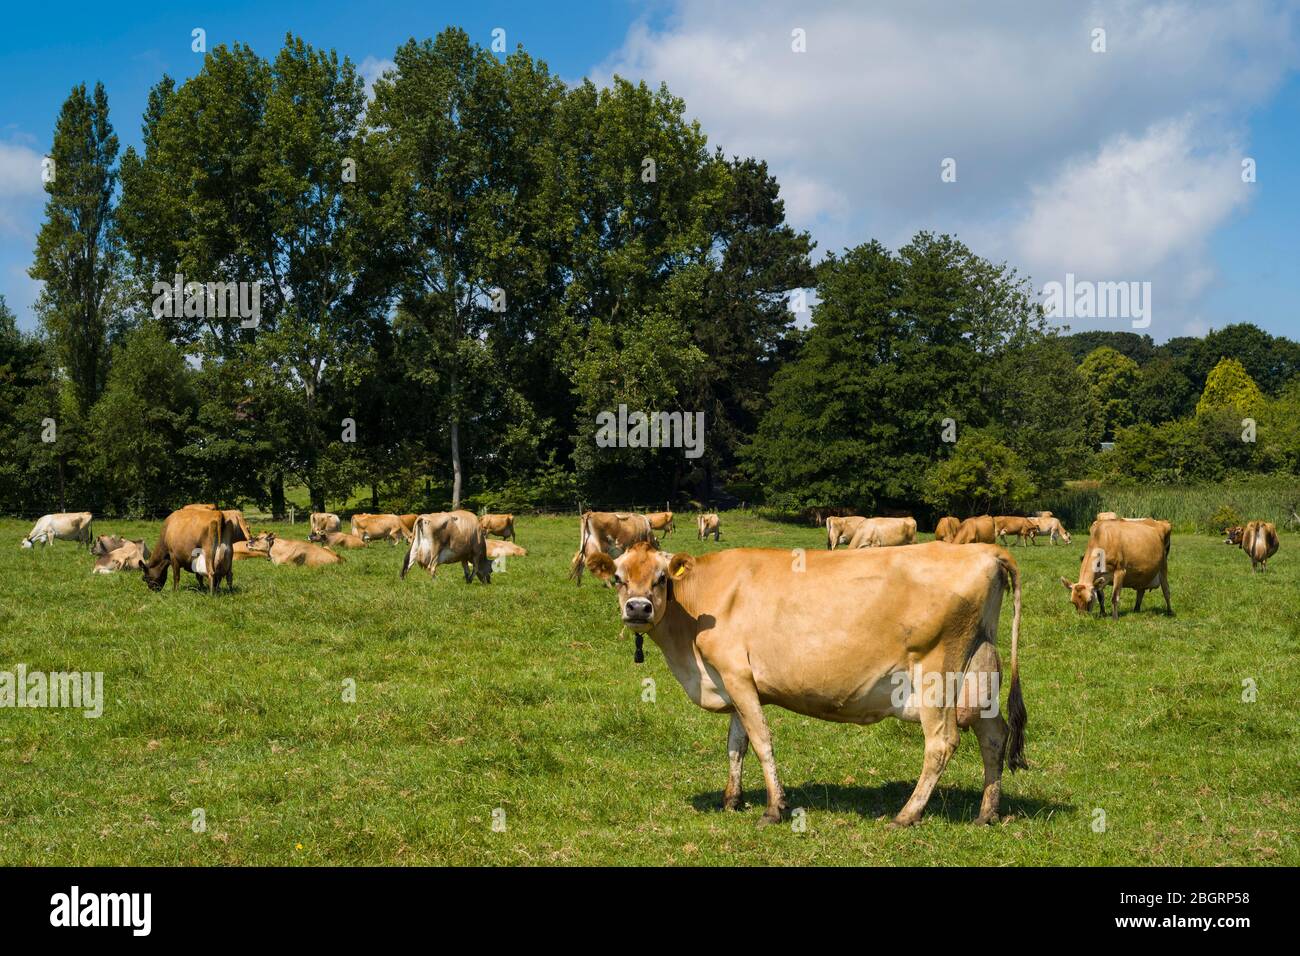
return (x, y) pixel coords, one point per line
(850, 636)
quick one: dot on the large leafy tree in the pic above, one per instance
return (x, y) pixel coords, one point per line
(1112, 379)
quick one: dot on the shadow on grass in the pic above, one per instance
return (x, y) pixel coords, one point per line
(955, 804)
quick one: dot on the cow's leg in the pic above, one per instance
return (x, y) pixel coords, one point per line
(176, 573)
(1116, 585)
(940, 727)
(737, 745)
(1164, 589)
(991, 732)
(468, 570)
(744, 697)
(1137, 604)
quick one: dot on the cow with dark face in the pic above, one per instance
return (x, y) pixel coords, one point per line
(1234, 535)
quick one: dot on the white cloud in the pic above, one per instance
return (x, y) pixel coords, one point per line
(1126, 158)
(21, 188)
(371, 68)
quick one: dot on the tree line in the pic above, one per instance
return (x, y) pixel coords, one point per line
(456, 272)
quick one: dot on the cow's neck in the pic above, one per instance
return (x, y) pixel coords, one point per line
(675, 635)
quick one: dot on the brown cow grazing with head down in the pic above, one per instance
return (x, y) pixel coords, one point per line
(884, 533)
(1022, 528)
(368, 527)
(858, 636)
(708, 524)
(192, 539)
(978, 530)
(607, 532)
(1259, 541)
(503, 526)
(1123, 554)
(298, 553)
(947, 528)
(1053, 528)
(336, 539)
(1164, 528)
(840, 530)
(447, 537)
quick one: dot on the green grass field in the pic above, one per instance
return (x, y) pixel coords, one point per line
(522, 696)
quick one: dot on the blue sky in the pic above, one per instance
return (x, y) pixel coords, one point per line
(1122, 165)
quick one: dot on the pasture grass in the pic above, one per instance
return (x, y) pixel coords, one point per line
(522, 696)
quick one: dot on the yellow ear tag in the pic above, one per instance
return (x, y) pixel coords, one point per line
(680, 571)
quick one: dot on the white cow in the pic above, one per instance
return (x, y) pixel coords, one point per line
(66, 526)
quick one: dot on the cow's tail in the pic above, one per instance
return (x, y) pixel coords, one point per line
(575, 569)
(1017, 717)
(410, 552)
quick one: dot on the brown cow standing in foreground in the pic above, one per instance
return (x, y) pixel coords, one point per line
(503, 526)
(947, 528)
(1123, 554)
(979, 530)
(743, 628)
(191, 540)
(607, 532)
(445, 538)
(1259, 541)
(884, 533)
(841, 530)
(708, 524)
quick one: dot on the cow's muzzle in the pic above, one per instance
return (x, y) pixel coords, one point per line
(638, 613)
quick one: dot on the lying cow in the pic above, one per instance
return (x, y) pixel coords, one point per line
(978, 530)
(369, 527)
(299, 553)
(447, 537)
(1053, 528)
(503, 526)
(840, 530)
(662, 521)
(192, 539)
(743, 628)
(1122, 554)
(336, 539)
(607, 532)
(323, 522)
(1022, 528)
(708, 524)
(947, 528)
(884, 533)
(105, 543)
(128, 556)
(63, 526)
(242, 551)
(1259, 541)
(504, 549)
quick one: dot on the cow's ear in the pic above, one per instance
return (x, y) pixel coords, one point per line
(680, 565)
(601, 565)
(1068, 585)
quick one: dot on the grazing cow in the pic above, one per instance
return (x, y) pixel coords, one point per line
(884, 533)
(1022, 528)
(708, 524)
(323, 522)
(1164, 528)
(368, 527)
(446, 537)
(978, 530)
(298, 553)
(743, 628)
(607, 532)
(129, 556)
(192, 539)
(1259, 541)
(947, 528)
(336, 539)
(1122, 554)
(841, 530)
(662, 521)
(1053, 528)
(63, 526)
(503, 526)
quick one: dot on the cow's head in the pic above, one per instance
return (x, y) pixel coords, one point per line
(644, 577)
(155, 575)
(1065, 535)
(1082, 596)
(1234, 535)
(262, 542)
(317, 535)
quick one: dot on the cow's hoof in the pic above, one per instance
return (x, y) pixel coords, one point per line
(768, 818)
(986, 819)
(732, 803)
(901, 822)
